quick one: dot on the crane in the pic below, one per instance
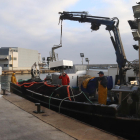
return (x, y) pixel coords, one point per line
(53, 53)
(111, 24)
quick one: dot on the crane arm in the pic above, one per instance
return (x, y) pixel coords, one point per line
(96, 22)
(111, 25)
(81, 17)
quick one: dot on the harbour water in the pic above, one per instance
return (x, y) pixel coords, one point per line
(5, 79)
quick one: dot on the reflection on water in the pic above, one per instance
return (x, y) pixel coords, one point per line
(5, 79)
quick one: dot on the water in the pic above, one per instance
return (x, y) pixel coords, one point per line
(6, 79)
(104, 70)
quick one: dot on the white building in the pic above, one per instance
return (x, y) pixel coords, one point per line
(15, 58)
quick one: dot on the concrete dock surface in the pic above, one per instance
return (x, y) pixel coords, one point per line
(18, 122)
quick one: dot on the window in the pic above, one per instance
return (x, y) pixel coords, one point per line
(10, 65)
(5, 65)
(13, 58)
(12, 50)
(131, 79)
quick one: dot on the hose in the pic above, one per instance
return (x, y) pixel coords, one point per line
(66, 98)
(52, 94)
(57, 89)
(74, 96)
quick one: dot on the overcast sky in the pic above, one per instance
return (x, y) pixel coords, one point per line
(33, 24)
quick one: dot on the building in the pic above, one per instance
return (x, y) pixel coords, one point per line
(15, 58)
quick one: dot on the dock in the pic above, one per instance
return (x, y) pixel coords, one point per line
(6, 72)
(21, 123)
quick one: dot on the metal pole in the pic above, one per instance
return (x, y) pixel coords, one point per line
(12, 59)
(49, 66)
(82, 60)
(139, 50)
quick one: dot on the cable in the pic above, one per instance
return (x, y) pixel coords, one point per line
(75, 96)
(53, 92)
(66, 98)
(126, 97)
(87, 98)
(72, 94)
(51, 96)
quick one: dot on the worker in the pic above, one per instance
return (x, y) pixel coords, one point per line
(13, 78)
(102, 88)
(65, 78)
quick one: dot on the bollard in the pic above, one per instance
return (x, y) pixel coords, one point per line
(38, 108)
(4, 92)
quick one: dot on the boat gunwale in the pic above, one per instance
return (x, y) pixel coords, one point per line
(116, 117)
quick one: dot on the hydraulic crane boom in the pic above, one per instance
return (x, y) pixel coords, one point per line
(111, 25)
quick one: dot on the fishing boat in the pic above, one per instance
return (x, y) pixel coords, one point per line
(120, 119)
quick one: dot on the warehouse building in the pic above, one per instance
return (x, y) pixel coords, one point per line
(15, 58)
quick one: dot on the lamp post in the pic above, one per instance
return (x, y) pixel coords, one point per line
(136, 34)
(12, 57)
(136, 47)
(82, 55)
(87, 60)
(43, 61)
(48, 62)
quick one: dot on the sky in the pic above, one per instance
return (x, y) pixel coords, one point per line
(33, 24)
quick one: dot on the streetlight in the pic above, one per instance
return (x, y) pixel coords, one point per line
(136, 11)
(136, 47)
(136, 35)
(82, 55)
(12, 56)
(87, 60)
(43, 59)
(133, 24)
(48, 62)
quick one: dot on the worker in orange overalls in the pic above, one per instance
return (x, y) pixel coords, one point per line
(13, 78)
(102, 88)
(65, 79)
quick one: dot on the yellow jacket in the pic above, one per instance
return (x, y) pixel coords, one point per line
(13, 79)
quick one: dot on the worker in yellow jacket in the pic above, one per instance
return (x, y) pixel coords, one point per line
(13, 78)
(102, 88)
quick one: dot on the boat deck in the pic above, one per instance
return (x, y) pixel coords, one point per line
(19, 122)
